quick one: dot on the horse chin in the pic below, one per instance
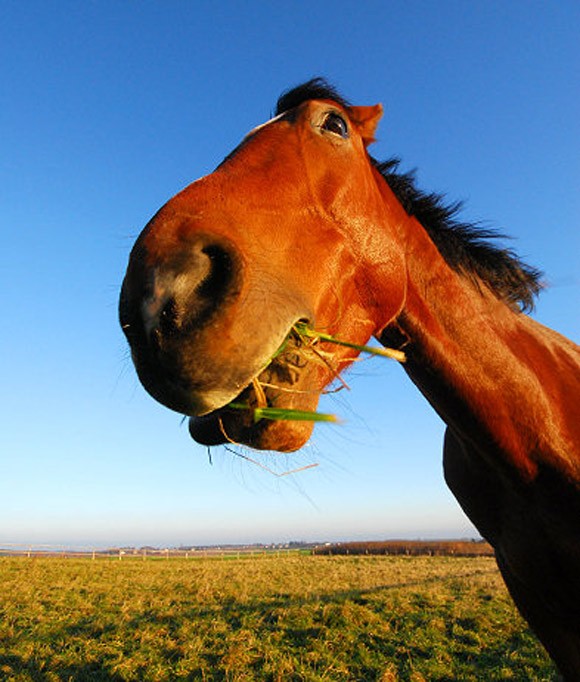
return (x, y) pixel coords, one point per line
(283, 385)
(223, 426)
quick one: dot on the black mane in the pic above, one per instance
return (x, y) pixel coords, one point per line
(465, 246)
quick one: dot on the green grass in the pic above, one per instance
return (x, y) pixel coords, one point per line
(284, 414)
(305, 331)
(308, 338)
(262, 618)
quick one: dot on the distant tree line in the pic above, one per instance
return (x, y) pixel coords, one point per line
(462, 548)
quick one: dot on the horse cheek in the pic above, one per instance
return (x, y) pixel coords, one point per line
(383, 290)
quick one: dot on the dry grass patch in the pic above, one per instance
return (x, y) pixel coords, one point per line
(262, 618)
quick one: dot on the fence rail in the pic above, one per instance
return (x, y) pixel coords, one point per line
(119, 553)
(385, 548)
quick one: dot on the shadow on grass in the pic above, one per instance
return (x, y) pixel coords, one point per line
(282, 626)
(11, 666)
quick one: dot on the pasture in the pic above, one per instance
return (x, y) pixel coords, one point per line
(268, 617)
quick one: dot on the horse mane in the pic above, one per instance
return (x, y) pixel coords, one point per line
(467, 247)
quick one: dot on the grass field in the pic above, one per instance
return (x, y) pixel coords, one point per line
(291, 617)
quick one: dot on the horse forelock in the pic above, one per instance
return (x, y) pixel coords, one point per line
(316, 88)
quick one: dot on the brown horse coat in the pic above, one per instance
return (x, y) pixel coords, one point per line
(299, 223)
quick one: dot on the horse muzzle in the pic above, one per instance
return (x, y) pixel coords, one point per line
(198, 324)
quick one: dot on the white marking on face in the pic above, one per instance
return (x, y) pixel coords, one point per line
(263, 125)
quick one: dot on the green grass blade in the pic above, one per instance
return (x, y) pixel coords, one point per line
(304, 330)
(283, 414)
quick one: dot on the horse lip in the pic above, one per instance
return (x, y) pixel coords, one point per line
(214, 400)
(208, 428)
(173, 390)
(211, 422)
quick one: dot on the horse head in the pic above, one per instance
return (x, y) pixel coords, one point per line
(283, 231)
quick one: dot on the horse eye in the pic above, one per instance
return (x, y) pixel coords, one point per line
(335, 124)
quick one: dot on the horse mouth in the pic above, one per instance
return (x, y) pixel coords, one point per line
(293, 380)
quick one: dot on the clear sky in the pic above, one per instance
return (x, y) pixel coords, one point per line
(107, 109)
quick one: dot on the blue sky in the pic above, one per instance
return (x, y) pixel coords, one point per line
(107, 109)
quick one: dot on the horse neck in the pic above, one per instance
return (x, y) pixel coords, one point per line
(500, 380)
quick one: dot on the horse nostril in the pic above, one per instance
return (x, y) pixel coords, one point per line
(196, 285)
(180, 294)
(210, 278)
(169, 318)
(220, 274)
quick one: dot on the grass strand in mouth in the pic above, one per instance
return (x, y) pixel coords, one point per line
(304, 330)
(283, 414)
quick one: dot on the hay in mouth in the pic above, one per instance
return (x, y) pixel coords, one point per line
(306, 343)
(277, 394)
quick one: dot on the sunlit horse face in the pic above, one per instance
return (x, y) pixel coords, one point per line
(284, 230)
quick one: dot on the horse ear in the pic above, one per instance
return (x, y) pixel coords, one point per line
(366, 119)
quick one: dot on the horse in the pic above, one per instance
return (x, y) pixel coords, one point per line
(300, 224)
